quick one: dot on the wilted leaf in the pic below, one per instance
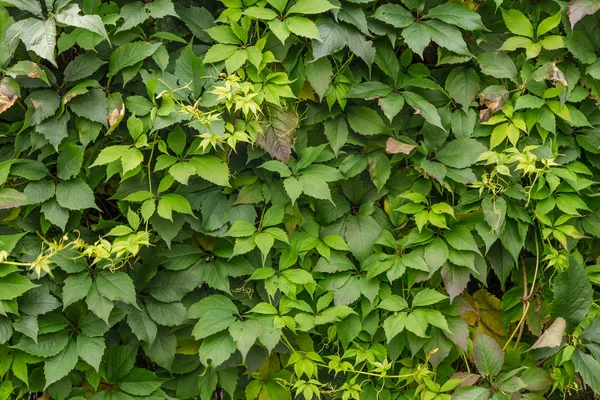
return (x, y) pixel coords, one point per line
(553, 336)
(9, 93)
(493, 98)
(393, 146)
(279, 133)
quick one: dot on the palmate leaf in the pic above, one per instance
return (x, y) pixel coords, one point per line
(339, 223)
(572, 295)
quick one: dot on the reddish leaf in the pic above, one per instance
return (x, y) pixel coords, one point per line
(392, 146)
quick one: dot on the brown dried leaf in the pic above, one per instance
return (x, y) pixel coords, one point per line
(278, 133)
(487, 315)
(553, 335)
(493, 98)
(9, 93)
(393, 146)
(116, 110)
(549, 71)
(580, 8)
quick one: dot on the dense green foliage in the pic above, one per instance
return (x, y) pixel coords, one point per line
(277, 199)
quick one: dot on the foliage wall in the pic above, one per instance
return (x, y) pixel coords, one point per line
(277, 199)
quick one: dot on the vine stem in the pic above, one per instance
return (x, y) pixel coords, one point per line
(370, 373)
(526, 308)
(526, 295)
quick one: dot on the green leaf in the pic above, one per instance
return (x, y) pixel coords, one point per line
(394, 325)
(417, 37)
(46, 346)
(60, 365)
(572, 295)
(28, 326)
(379, 169)
(361, 233)
(537, 379)
(197, 19)
(119, 360)
(528, 102)
(8, 242)
(333, 36)
(14, 285)
(32, 6)
(91, 349)
(216, 349)
(43, 103)
(98, 304)
(460, 238)
(220, 52)
(361, 47)
(116, 286)
(91, 105)
(457, 14)
(37, 301)
(167, 314)
(499, 65)
(517, 22)
(460, 153)
(130, 54)
(70, 161)
(487, 355)
(336, 131)
(393, 303)
(436, 254)
(110, 154)
(549, 23)
(54, 130)
(82, 66)
(11, 198)
(39, 36)
(6, 330)
(463, 84)
(211, 168)
(244, 335)
(310, 7)
(471, 393)
(319, 73)
(142, 326)
(302, 27)
(93, 23)
(169, 286)
(369, 90)
(365, 121)
(589, 369)
(447, 36)
(265, 14)
(424, 108)
(223, 34)
(75, 194)
(427, 297)
(177, 203)
(395, 15)
(140, 382)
